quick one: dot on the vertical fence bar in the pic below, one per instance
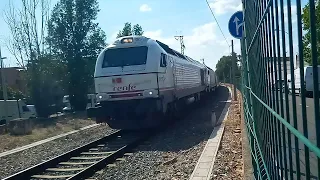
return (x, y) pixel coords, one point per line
(314, 56)
(275, 92)
(264, 138)
(282, 166)
(286, 87)
(274, 172)
(253, 65)
(248, 96)
(296, 143)
(302, 85)
(276, 122)
(262, 91)
(268, 57)
(264, 118)
(267, 134)
(266, 95)
(261, 83)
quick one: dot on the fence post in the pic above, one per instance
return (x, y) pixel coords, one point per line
(234, 66)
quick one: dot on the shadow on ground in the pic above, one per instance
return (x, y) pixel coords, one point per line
(194, 128)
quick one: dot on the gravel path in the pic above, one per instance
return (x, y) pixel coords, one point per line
(229, 161)
(17, 162)
(173, 153)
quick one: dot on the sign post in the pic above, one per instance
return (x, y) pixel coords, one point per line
(235, 27)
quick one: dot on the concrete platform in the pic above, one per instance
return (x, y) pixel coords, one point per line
(204, 166)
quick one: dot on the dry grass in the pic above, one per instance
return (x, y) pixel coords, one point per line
(45, 129)
(229, 161)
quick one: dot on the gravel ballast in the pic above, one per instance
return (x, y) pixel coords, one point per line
(21, 160)
(173, 153)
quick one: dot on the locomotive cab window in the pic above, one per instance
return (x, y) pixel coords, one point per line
(163, 61)
(125, 57)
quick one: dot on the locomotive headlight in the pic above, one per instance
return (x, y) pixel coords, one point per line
(127, 40)
(102, 97)
(150, 93)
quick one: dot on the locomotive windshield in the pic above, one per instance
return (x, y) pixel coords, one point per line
(125, 57)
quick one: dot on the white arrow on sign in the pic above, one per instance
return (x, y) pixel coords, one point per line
(236, 21)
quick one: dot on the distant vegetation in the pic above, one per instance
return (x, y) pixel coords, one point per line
(223, 68)
(307, 36)
(58, 50)
(128, 30)
(12, 94)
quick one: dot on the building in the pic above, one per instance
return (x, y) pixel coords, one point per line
(276, 68)
(14, 78)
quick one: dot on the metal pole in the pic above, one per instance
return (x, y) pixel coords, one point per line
(234, 65)
(4, 89)
(230, 75)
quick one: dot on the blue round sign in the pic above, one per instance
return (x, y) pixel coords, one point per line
(236, 25)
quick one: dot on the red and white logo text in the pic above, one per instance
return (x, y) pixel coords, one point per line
(125, 88)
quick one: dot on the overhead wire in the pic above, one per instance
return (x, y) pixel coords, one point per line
(217, 23)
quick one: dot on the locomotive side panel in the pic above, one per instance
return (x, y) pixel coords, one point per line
(166, 81)
(187, 79)
(213, 82)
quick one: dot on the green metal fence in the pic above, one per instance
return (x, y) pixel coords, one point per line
(282, 127)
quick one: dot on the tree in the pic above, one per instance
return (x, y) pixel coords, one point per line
(137, 30)
(27, 46)
(12, 93)
(128, 30)
(223, 68)
(77, 40)
(307, 36)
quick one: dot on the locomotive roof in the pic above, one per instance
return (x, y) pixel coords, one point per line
(176, 53)
(209, 67)
(164, 47)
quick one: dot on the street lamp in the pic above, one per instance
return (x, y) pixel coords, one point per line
(4, 88)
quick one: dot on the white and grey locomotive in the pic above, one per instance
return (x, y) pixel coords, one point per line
(138, 79)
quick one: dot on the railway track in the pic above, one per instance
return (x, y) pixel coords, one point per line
(83, 162)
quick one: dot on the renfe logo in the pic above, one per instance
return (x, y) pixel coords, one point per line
(125, 88)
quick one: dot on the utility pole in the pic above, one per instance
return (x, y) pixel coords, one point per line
(234, 65)
(202, 61)
(4, 89)
(181, 43)
(230, 75)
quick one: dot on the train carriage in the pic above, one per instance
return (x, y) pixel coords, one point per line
(138, 79)
(212, 80)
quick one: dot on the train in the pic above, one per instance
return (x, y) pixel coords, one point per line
(139, 80)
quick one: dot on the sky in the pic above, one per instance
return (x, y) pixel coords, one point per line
(162, 21)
